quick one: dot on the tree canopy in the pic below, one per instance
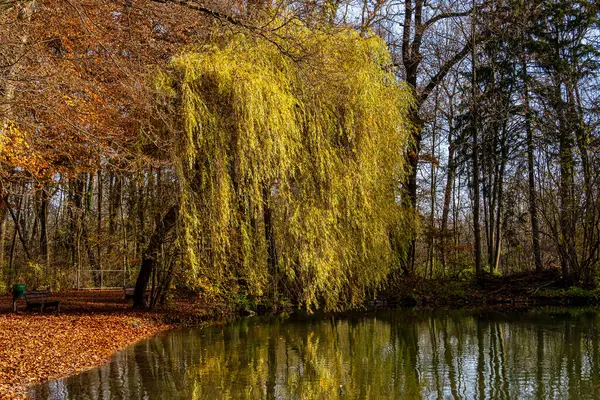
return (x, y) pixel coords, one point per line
(289, 162)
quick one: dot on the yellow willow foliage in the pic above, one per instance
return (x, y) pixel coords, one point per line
(290, 164)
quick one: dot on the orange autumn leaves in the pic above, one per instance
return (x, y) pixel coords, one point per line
(34, 348)
(15, 150)
(73, 80)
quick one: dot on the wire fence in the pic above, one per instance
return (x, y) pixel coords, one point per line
(91, 279)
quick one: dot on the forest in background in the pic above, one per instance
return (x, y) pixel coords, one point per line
(467, 146)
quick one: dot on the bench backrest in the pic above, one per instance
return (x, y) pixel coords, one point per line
(37, 296)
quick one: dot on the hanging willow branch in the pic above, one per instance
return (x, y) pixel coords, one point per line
(289, 170)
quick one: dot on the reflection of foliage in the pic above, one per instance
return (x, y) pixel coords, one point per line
(393, 355)
(289, 164)
(305, 360)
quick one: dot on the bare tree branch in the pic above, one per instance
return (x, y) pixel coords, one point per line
(442, 16)
(223, 17)
(441, 74)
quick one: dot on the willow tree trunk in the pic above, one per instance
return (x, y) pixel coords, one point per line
(150, 256)
(270, 240)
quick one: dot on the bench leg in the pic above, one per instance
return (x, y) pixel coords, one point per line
(15, 306)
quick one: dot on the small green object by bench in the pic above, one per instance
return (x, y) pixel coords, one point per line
(18, 294)
(40, 299)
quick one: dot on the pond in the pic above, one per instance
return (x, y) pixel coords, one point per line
(404, 354)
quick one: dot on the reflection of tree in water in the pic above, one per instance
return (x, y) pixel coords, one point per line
(400, 355)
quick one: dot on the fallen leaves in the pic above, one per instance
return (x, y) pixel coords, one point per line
(35, 347)
(92, 325)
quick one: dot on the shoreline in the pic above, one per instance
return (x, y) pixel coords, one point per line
(33, 346)
(77, 344)
(91, 327)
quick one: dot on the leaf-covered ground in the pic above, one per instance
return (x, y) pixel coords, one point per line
(91, 327)
(34, 348)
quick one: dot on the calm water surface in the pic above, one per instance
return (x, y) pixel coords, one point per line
(550, 354)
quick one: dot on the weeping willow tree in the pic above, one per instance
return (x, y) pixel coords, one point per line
(289, 164)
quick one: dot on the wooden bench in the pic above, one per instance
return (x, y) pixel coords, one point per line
(40, 299)
(129, 291)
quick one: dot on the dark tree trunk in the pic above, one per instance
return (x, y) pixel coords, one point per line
(566, 204)
(99, 218)
(533, 207)
(141, 206)
(270, 239)
(150, 256)
(11, 270)
(3, 218)
(269, 232)
(476, 205)
(18, 228)
(450, 179)
(495, 265)
(44, 229)
(114, 202)
(415, 27)
(11, 257)
(410, 194)
(86, 186)
(475, 154)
